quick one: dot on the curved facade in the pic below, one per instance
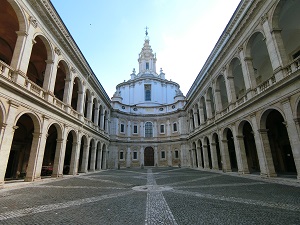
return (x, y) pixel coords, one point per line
(241, 114)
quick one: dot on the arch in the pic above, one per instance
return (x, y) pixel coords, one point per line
(222, 90)
(91, 159)
(149, 156)
(231, 148)
(285, 21)
(94, 100)
(100, 116)
(235, 70)
(198, 114)
(261, 63)
(87, 100)
(77, 88)
(148, 129)
(203, 106)
(69, 151)
(24, 139)
(207, 143)
(11, 21)
(215, 141)
(41, 54)
(61, 75)
(83, 144)
(278, 141)
(245, 130)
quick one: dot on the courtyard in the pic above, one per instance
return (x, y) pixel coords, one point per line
(152, 196)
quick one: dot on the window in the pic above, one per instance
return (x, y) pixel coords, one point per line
(121, 155)
(176, 154)
(163, 154)
(122, 128)
(174, 127)
(148, 129)
(135, 129)
(134, 155)
(162, 128)
(147, 92)
(147, 66)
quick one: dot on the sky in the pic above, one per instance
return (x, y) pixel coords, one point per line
(111, 34)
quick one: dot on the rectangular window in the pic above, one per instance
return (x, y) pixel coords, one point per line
(134, 155)
(174, 127)
(135, 129)
(148, 130)
(162, 128)
(163, 154)
(147, 66)
(121, 155)
(176, 154)
(147, 92)
(122, 128)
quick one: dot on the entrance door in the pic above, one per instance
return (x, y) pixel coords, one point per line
(149, 157)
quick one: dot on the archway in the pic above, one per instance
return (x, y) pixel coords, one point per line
(61, 75)
(103, 158)
(68, 153)
(98, 156)
(83, 143)
(279, 143)
(76, 89)
(231, 150)
(149, 156)
(194, 149)
(238, 78)
(216, 142)
(49, 153)
(250, 148)
(222, 92)
(20, 149)
(208, 153)
(9, 24)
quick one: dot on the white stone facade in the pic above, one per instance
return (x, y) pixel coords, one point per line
(241, 114)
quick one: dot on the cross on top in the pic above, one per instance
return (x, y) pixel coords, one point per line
(146, 28)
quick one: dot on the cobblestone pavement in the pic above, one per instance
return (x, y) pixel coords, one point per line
(151, 196)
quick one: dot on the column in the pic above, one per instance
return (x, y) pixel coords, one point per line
(7, 138)
(74, 158)
(89, 108)
(68, 94)
(59, 158)
(195, 111)
(128, 157)
(217, 98)
(35, 173)
(142, 156)
(278, 43)
(229, 82)
(226, 165)
(93, 158)
(292, 133)
(246, 72)
(80, 102)
(263, 163)
(201, 111)
(49, 79)
(208, 107)
(214, 156)
(85, 158)
(96, 115)
(198, 149)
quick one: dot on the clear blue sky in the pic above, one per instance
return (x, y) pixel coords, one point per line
(110, 34)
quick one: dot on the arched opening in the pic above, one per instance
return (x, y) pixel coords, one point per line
(68, 152)
(100, 115)
(86, 103)
(194, 149)
(149, 156)
(201, 153)
(203, 106)
(37, 63)
(280, 144)
(198, 114)
(192, 119)
(74, 101)
(238, 78)
(9, 24)
(61, 76)
(105, 120)
(83, 143)
(50, 149)
(286, 19)
(20, 149)
(250, 148)
(260, 58)
(216, 142)
(98, 156)
(210, 98)
(221, 86)
(93, 109)
(103, 157)
(208, 153)
(231, 150)
(91, 160)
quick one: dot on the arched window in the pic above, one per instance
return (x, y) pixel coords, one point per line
(148, 129)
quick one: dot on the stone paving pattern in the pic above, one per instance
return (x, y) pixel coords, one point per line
(151, 196)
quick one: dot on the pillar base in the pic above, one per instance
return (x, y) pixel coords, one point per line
(243, 172)
(266, 175)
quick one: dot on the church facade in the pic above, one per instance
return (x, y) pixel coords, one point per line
(241, 114)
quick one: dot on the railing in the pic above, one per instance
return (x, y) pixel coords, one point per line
(6, 70)
(34, 88)
(293, 66)
(265, 85)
